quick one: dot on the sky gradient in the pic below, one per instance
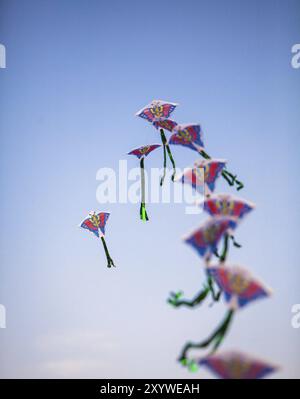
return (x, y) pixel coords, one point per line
(76, 74)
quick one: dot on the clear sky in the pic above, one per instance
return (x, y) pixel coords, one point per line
(77, 71)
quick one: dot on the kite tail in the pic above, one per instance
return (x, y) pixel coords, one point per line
(228, 176)
(236, 244)
(225, 248)
(216, 338)
(110, 262)
(167, 147)
(165, 166)
(175, 300)
(143, 212)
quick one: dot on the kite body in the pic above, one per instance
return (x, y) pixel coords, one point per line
(144, 151)
(227, 205)
(206, 238)
(95, 223)
(157, 110)
(188, 135)
(239, 287)
(204, 173)
(141, 153)
(236, 365)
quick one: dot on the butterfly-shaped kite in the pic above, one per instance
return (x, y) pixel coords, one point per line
(141, 153)
(95, 223)
(188, 135)
(157, 113)
(237, 365)
(227, 205)
(238, 285)
(240, 289)
(206, 238)
(203, 175)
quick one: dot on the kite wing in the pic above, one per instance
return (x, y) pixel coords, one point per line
(206, 238)
(102, 217)
(157, 110)
(189, 136)
(144, 151)
(239, 287)
(87, 224)
(235, 365)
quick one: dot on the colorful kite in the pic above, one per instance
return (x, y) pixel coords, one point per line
(188, 135)
(95, 223)
(141, 153)
(157, 113)
(227, 205)
(236, 365)
(191, 136)
(239, 289)
(203, 175)
(206, 238)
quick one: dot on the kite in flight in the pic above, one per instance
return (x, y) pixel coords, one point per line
(191, 136)
(141, 153)
(228, 205)
(239, 289)
(206, 238)
(157, 113)
(237, 365)
(203, 175)
(95, 223)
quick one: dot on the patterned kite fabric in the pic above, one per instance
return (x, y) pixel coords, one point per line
(239, 287)
(237, 365)
(166, 124)
(144, 150)
(206, 238)
(157, 110)
(188, 135)
(227, 205)
(95, 223)
(203, 175)
(141, 153)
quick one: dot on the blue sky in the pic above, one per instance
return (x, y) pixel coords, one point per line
(76, 74)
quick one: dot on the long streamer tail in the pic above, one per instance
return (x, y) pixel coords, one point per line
(110, 262)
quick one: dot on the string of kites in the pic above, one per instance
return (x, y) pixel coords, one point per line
(235, 284)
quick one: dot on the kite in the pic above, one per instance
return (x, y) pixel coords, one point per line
(239, 289)
(203, 175)
(95, 223)
(188, 135)
(157, 113)
(191, 136)
(236, 365)
(227, 205)
(141, 153)
(206, 238)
